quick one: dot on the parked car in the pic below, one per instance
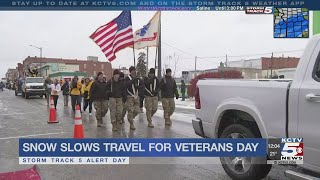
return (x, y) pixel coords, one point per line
(274, 108)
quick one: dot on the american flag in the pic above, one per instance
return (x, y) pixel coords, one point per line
(115, 35)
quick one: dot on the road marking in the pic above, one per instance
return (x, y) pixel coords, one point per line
(16, 114)
(31, 135)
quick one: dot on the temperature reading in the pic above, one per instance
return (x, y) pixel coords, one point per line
(273, 153)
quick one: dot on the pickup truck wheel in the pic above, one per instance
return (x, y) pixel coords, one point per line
(243, 168)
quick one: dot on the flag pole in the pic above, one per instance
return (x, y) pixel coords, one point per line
(155, 58)
(159, 48)
(134, 56)
(147, 61)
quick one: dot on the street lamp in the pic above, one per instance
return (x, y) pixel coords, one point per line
(40, 48)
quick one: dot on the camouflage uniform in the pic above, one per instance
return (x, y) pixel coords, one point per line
(116, 107)
(168, 105)
(99, 97)
(133, 107)
(151, 105)
(168, 91)
(101, 107)
(124, 112)
(152, 89)
(133, 101)
(116, 91)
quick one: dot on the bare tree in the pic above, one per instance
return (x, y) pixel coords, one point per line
(166, 64)
(171, 62)
(176, 61)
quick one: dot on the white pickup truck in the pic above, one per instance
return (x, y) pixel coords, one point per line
(264, 109)
(33, 86)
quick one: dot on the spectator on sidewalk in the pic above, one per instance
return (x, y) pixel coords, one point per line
(75, 92)
(47, 86)
(86, 95)
(183, 90)
(55, 90)
(66, 92)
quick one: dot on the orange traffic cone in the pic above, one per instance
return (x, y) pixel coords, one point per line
(52, 115)
(78, 128)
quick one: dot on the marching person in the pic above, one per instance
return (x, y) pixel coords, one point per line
(98, 95)
(141, 95)
(55, 90)
(124, 111)
(183, 90)
(117, 94)
(1, 86)
(133, 101)
(47, 86)
(86, 95)
(75, 92)
(168, 88)
(152, 88)
(66, 92)
(104, 78)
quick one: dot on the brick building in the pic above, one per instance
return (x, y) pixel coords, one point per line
(88, 66)
(11, 74)
(279, 62)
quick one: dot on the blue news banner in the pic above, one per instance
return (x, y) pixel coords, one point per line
(118, 151)
(154, 5)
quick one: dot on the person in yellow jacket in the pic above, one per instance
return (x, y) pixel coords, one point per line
(75, 92)
(86, 95)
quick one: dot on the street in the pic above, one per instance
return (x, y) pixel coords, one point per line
(27, 118)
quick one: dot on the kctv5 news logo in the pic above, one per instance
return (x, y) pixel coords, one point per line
(285, 151)
(259, 10)
(292, 149)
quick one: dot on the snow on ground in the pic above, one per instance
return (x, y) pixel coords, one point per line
(187, 104)
(177, 116)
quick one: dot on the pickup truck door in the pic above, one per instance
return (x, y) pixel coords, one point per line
(309, 111)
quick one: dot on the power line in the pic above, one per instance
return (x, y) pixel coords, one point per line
(268, 53)
(244, 55)
(177, 49)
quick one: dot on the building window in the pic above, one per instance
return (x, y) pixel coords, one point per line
(94, 73)
(85, 66)
(102, 66)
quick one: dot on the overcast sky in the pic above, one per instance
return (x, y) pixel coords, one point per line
(205, 34)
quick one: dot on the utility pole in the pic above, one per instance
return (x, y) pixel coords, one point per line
(271, 64)
(226, 63)
(195, 66)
